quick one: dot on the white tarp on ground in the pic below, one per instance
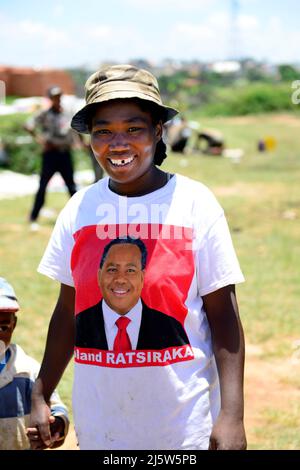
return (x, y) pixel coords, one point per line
(16, 184)
(70, 103)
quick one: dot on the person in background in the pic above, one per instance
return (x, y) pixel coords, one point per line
(51, 129)
(210, 142)
(18, 372)
(187, 136)
(98, 171)
(178, 133)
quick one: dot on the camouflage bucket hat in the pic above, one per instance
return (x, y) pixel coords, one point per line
(120, 81)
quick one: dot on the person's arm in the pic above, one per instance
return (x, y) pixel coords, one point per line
(58, 352)
(32, 127)
(221, 308)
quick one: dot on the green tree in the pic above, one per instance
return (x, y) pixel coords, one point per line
(288, 73)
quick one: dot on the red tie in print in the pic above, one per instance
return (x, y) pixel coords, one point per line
(122, 342)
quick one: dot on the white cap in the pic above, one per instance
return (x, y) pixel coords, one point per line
(8, 299)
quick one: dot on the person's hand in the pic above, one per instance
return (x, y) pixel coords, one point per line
(40, 418)
(228, 433)
(38, 432)
(57, 428)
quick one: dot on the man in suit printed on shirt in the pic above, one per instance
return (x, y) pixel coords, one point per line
(121, 279)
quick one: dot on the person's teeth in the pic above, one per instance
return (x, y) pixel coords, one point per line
(119, 162)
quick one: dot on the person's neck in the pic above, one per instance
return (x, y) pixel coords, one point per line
(56, 109)
(147, 183)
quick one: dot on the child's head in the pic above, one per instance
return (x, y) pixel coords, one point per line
(8, 308)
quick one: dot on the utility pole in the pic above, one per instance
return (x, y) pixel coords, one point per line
(234, 32)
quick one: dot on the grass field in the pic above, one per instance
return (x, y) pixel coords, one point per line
(261, 197)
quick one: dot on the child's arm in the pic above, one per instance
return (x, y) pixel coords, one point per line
(60, 427)
(56, 415)
(229, 350)
(59, 350)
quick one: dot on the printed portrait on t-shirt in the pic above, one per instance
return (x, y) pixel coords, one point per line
(158, 338)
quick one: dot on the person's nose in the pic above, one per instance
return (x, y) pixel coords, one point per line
(120, 278)
(119, 142)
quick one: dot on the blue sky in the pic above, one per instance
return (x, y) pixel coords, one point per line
(64, 33)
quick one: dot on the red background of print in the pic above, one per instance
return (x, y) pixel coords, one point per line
(169, 269)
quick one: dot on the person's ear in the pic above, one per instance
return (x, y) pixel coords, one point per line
(15, 322)
(158, 130)
(99, 276)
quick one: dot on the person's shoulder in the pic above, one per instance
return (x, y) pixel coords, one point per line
(23, 362)
(81, 209)
(157, 314)
(93, 310)
(42, 114)
(203, 204)
(193, 187)
(88, 195)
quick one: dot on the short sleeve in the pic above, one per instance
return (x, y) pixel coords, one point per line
(56, 261)
(216, 261)
(34, 121)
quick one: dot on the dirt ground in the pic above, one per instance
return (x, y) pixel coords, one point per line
(268, 385)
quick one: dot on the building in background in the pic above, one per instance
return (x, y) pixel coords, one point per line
(26, 82)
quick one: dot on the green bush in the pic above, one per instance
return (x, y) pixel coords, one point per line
(288, 73)
(250, 99)
(22, 157)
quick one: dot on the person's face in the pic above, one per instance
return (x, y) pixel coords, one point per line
(123, 139)
(8, 322)
(121, 277)
(56, 101)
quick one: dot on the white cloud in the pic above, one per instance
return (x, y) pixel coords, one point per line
(30, 43)
(92, 32)
(247, 22)
(40, 32)
(273, 42)
(58, 10)
(34, 43)
(167, 4)
(212, 39)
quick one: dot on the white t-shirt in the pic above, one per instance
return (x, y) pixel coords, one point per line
(162, 397)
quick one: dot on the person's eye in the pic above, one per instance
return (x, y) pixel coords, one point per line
(111, 270)
(133, 130)
(131, 270)
(101, 132)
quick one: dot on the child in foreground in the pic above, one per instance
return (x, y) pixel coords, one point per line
(18, 372)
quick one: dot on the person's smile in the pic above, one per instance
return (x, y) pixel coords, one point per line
(120, 291)
(121, 162)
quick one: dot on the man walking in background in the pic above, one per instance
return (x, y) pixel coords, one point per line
(51, 129)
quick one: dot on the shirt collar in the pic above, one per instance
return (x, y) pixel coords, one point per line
(110, 316)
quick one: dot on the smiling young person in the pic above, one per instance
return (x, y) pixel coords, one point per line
(174, 394)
